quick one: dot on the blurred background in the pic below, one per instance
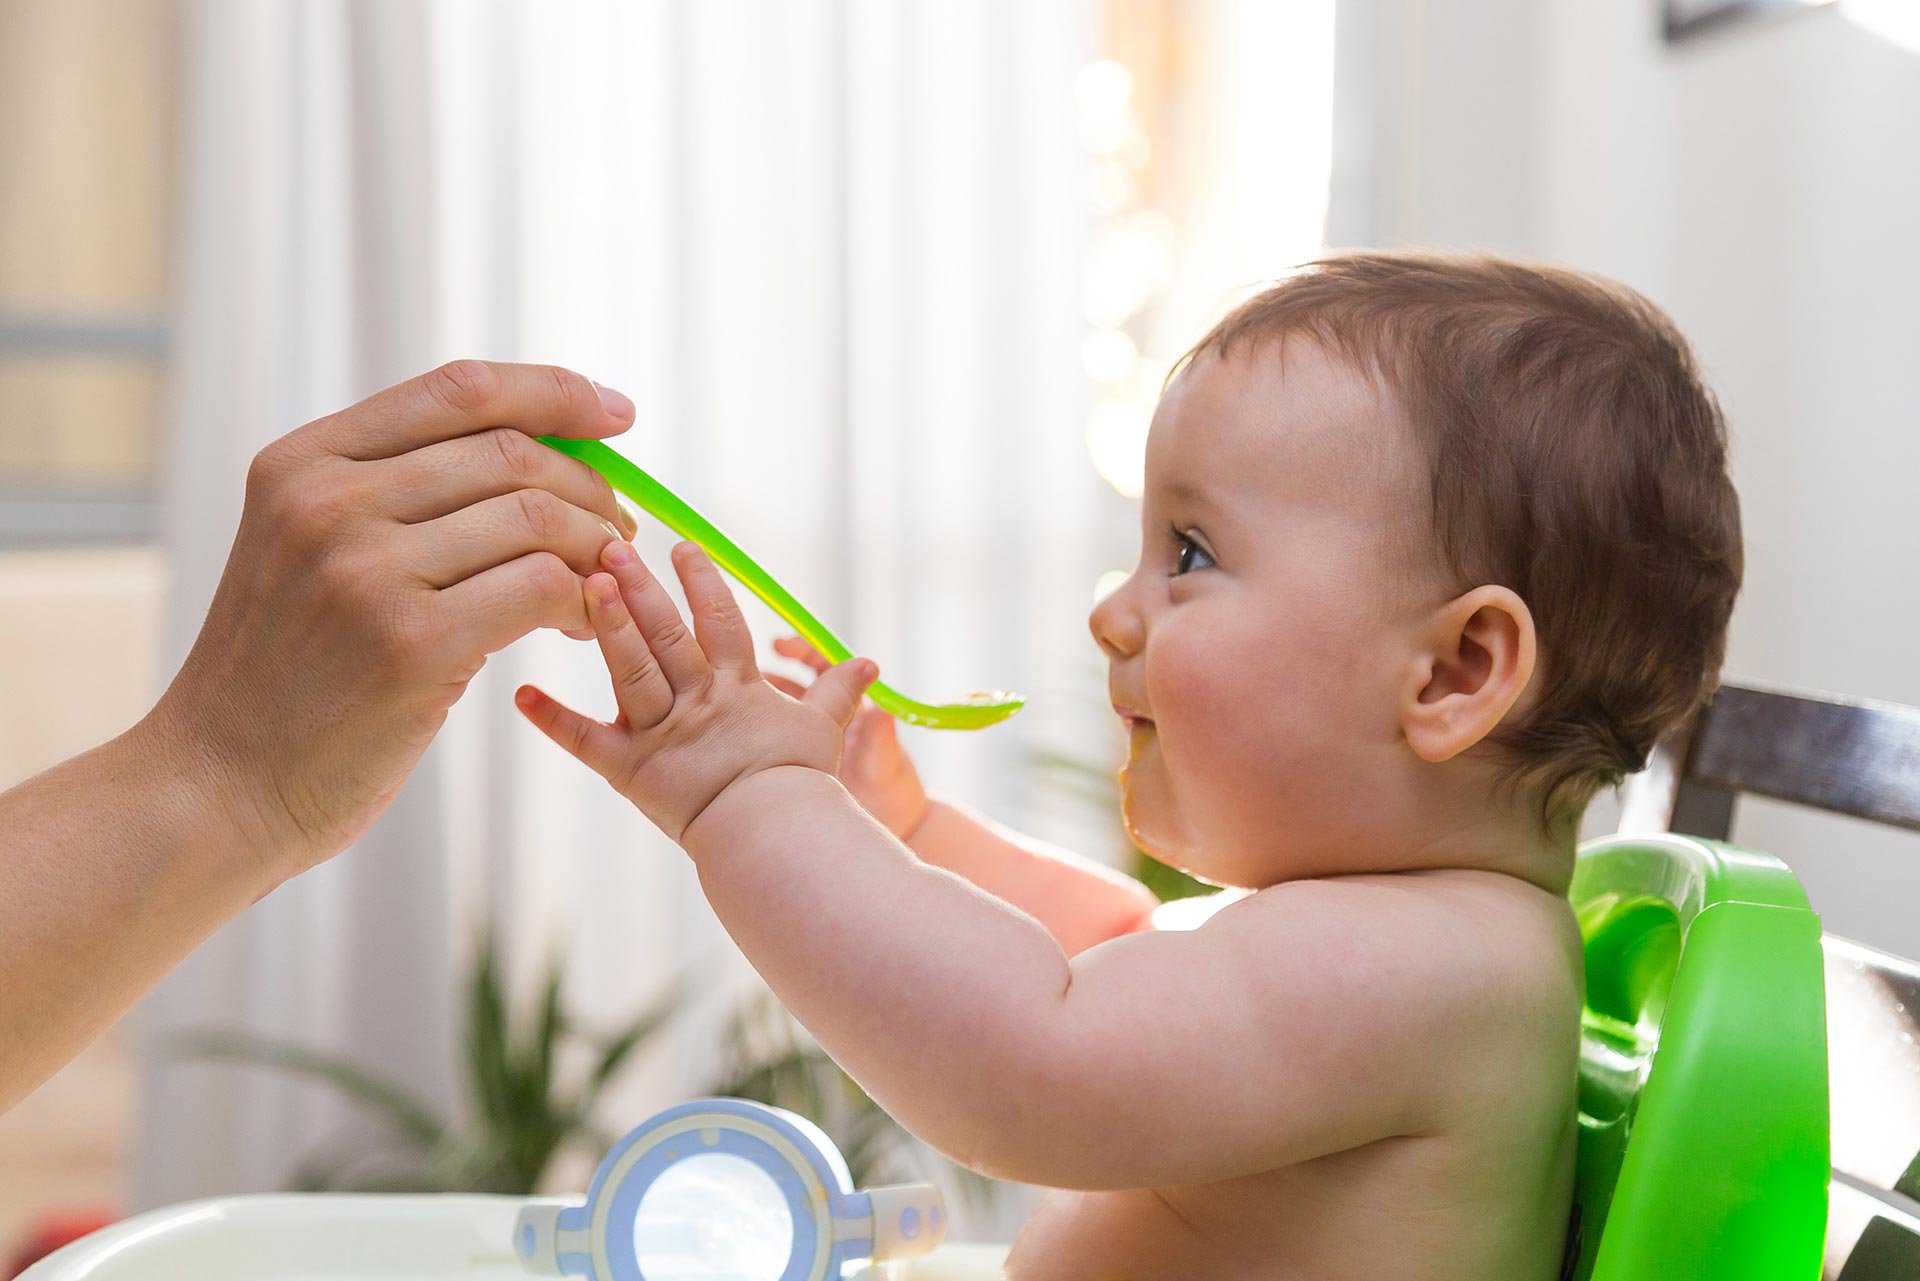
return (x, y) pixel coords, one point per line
(893, 283)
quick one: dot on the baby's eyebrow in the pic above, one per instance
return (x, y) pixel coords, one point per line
(1183, 491)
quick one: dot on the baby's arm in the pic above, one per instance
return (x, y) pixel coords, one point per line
(1079, 901)
(1271, 1036)
(1303, 1021)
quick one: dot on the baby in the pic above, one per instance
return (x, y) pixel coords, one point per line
(1433, 548)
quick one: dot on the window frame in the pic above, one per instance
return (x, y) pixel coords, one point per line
(59, 513)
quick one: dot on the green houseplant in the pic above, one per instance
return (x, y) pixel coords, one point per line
(524, 1108)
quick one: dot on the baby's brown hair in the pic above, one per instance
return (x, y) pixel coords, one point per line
(1574, 455)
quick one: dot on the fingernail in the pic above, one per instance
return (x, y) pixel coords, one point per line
(868, 669)
(604, 590)
(612, 531)
(619, 554)
(628, 520)
(614, 403)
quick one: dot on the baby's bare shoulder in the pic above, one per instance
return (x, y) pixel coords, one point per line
(1489, 927)
(1481, 969)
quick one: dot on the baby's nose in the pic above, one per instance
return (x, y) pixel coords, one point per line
(1115, 623)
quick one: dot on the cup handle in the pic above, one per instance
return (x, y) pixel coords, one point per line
(537, 1237)
(908, 1220)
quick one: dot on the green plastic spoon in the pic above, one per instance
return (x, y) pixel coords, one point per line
(977, 712)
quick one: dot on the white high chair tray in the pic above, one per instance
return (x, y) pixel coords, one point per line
(362, 1238)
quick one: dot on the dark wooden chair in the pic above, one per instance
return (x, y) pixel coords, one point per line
(1860, 759)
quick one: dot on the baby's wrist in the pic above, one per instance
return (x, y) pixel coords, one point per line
(751, 796)
(916, 819)
(943, 834)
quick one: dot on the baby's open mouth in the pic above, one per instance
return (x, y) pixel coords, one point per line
(1131, 719)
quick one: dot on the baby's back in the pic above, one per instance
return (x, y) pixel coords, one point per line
(1483, 1192)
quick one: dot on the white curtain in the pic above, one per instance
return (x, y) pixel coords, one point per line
(832, 250)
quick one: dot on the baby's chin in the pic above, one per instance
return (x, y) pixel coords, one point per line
(1160, 835)
(1159, 826)
(1153, 822)
(1158, 830)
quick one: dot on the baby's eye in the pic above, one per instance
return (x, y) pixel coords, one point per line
(1189, 555)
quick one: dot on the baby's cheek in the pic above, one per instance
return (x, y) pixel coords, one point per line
(1230, 709)
(1254, 722)
(1204, 686)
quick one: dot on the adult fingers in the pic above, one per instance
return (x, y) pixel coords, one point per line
(498, 606)
(468, 396)
(639, 686)
(717, 619)
(658, 618)
(451, 474)
(492, 532)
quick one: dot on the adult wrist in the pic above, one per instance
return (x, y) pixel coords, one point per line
(215, 805)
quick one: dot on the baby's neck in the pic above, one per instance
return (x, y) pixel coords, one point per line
(1499, 837)
(1514, 846)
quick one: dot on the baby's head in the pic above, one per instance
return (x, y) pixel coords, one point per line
(1434, 548)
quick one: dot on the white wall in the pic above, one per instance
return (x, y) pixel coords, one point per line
(1761, 183)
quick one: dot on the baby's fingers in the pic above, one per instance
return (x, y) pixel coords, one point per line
(593, 743)
(788, 686)
(797, 649)
(877, 730)
(647, 602)
(717, 620)
(838, 692)
(639, 686)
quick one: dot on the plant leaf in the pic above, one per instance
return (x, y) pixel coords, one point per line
(486, 1039)
(1098, 776)
(615, 1052)
(405, 1112)
(545, 1046)
(532, 1125)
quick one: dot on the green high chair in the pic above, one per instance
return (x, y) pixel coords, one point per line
(1707, 1146)
(1703, 1066)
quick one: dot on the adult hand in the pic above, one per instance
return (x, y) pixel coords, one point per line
(383, 553)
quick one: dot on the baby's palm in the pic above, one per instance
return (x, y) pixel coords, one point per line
(873, 765)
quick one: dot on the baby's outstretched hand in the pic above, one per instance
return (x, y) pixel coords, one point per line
(873, 765)
(696, 715)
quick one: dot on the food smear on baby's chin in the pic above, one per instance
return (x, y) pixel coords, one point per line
(1139, 739)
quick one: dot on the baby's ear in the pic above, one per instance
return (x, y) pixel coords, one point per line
(1475, 657)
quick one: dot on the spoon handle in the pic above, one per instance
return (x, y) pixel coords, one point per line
(678, 515)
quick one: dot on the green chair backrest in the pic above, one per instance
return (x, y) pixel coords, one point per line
(1703, 1066)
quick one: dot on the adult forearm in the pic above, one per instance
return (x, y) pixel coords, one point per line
(1080, 902)
(113, 866)
(936, 997)
(383, 552)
